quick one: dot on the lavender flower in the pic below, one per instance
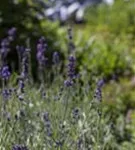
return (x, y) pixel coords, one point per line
(5, 73)
(59, 143)
(24, 61)
(5, 44)
(6, 93)
(43, 94)
(21, 85)
(75, 113)
(41, 48)
(46, 116)
(70, 33)
(47, 124)
(56, 58)
(68, 83)
(71, 71)
(20, 51)
(4, 49)
(98, 91)
(71, 67)
(101, 83)
(11, 33)
(98, 94)
(41, 59)
(79, 144)
(19, 147)
(70, 37)
(25, 66)
(21, 97)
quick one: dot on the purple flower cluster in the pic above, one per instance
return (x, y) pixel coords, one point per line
(5, 73)
(98, 94)
(41, 48)
(59, 143)
(98, 91)
(23, 60)
(11, 33)
(20, 51)
(47, 124)
(25, 65)
(70, 33)
(5, 44)
(100, 83)
(19, 147)
(68, 83)
(70, 37)
(80, 143)
(71, 67)
(21, 85)
(6, 93)
(4, 49)
(71, 71)
(4, 70)
(76, 113)
(56, 58)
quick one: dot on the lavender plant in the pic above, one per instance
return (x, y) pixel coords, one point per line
(4, 49)
(72, 122)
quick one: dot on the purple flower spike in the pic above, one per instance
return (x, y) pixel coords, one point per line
(71, 67)
(11, 33)
(41, 48)
(56, 58)
(100, 83)
(42, 40)
(25, 65)
(4, 48)
(68, 83)
(75, 113)
(21, 84)
(5, 42)
(46, 116)
(47, 124)
(5, 73)
(19, 147)
(71, 72)
(20, 50)
(5, 94)
(72, 58)
(98, 94)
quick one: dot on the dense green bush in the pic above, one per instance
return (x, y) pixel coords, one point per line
(106, 57)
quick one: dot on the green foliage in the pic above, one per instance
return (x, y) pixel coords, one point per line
(118, 18)
(23, 14)
(105, 57)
